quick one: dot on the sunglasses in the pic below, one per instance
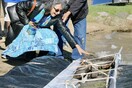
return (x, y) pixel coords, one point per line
(57, 10)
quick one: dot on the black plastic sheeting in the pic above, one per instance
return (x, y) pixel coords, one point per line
(35, 74)
(124, 78)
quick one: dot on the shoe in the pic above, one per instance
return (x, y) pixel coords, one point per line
(3, 57)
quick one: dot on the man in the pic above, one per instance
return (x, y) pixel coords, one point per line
(1, 32)
(2, 13)
(8, 3)
(77, 10)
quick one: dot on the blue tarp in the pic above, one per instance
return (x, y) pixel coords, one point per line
(14, 1)
(101, 2)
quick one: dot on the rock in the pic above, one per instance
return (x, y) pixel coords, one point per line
(104, 14)
(122, 15)
(129, 17)
(113, 46)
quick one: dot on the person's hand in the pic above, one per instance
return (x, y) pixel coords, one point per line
(65, 16)
(80, 50)
(32, 24)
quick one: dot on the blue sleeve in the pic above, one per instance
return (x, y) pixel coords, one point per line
(39, 16)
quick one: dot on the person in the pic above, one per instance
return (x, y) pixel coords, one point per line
(2, 13)
(77, 10)
(8, 3)
(1, 32)
(36, 35)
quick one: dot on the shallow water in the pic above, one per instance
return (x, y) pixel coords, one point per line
(110, 43)
(102, 43)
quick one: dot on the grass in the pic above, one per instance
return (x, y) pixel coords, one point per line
(93, 9)
(116, 14)
(110, 9)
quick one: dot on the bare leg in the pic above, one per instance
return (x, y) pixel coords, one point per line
(0, 31)
(6, 27)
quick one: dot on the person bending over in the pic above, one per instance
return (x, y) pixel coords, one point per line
(36, 35)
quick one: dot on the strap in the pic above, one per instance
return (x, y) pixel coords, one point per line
(34, 4)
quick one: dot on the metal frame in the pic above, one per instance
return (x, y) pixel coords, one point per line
(66, 78)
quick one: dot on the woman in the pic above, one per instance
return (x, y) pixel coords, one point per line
(35, 35)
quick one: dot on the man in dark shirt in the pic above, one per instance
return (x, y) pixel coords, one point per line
(77, 10)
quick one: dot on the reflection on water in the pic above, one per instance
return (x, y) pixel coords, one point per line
(110, 43)
(124, 78)
(103, 43)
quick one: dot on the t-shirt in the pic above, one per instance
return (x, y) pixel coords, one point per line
(14, 1)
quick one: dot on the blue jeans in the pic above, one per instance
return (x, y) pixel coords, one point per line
(80, 38)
